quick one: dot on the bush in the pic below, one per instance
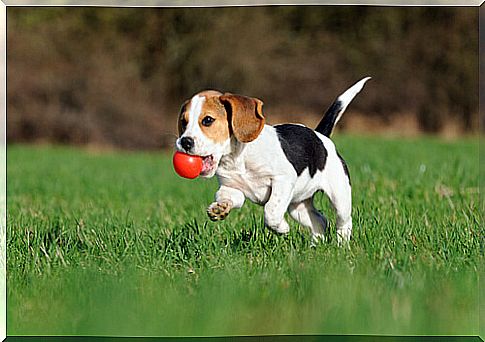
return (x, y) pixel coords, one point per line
(117, 76)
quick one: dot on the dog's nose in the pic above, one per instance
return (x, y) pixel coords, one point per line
(187, 143)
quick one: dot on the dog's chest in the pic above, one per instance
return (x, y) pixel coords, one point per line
(250, 178)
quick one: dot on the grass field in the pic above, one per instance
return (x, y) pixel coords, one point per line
(114, 243)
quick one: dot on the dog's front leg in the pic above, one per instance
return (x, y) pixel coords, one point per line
(226, 199)
(275, 208)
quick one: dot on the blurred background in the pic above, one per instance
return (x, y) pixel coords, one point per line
(116, 77)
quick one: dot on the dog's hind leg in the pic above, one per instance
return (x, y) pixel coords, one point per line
(341, 198)
(306, 214)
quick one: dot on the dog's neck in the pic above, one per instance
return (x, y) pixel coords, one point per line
(235, 155)
(236, 148)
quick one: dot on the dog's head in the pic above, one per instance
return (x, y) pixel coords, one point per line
(210, 120)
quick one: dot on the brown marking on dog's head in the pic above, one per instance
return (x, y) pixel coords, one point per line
(245, 115)
(213, 117)
(223, 115)
(209, 93)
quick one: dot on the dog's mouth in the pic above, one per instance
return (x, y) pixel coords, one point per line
(208, 165)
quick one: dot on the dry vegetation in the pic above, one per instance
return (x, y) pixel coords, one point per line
(117, 76)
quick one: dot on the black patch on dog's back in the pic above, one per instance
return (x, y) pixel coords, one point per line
(302, 148)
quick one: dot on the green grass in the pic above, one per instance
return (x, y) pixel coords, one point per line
(115, 243)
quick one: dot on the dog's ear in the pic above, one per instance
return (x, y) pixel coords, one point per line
(245, 116)
(182, 122)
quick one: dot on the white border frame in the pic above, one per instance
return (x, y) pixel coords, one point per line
(231, 3)
(3, 172)
(173, 3)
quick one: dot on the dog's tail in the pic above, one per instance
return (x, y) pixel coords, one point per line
(334, 113)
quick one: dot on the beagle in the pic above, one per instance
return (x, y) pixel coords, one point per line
(280, 167)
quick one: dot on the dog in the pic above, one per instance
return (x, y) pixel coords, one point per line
(280, 167)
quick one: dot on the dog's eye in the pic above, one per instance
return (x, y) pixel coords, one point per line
(208, 120)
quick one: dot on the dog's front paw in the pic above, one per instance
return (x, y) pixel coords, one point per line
(281, 228)
(219, 210)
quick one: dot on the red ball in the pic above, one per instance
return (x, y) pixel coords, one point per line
(187, 165)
